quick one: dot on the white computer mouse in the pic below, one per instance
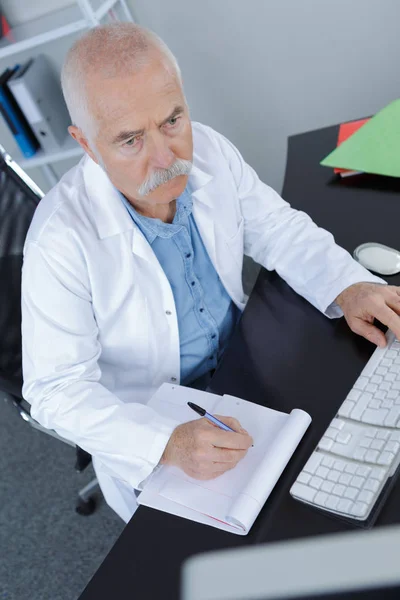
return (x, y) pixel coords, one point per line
(378, 258)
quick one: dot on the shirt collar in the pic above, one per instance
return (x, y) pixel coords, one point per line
(153, 228)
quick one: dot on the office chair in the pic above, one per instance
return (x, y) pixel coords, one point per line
(19, 197)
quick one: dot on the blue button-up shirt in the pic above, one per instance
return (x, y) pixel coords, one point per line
(206, 314)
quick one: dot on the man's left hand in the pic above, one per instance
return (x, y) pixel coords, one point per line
(361, 303)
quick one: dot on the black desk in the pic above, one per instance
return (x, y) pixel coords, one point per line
(285, 354)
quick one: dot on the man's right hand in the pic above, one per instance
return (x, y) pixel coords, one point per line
(205, 451)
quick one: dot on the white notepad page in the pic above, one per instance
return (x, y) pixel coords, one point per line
(233, 500)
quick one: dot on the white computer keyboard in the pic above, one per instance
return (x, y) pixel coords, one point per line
(359, 451)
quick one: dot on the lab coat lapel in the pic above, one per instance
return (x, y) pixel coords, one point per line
(202, 210)
(109, 212)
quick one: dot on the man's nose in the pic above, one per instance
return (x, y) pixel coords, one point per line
(161, 156)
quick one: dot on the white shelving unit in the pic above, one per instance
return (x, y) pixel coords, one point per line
(80, 16)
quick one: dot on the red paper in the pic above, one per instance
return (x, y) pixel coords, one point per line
(346, 130)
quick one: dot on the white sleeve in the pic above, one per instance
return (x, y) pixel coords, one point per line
(60, 348)
(287, 240)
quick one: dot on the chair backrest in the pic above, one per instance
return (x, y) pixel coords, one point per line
(19, 197)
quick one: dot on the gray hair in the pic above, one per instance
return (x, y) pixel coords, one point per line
(110, 50)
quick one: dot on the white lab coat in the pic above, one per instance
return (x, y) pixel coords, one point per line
(99, 324)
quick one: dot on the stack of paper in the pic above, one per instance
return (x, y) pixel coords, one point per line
(374, 148)
(233, 500)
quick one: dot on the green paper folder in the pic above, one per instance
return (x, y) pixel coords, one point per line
(375, 148)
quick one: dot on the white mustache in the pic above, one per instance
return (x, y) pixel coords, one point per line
(161, 176)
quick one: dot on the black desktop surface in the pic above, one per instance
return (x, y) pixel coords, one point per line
(285, 354)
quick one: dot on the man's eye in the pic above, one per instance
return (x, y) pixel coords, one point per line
(131, 142)
(173, 121)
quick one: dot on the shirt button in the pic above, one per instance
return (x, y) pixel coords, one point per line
(188, 255)
(213, 336)
(193, 282)
(173, 378)
(168, 312)
(201, 309)
(211, 358)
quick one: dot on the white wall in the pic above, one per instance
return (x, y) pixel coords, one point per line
(260, 70)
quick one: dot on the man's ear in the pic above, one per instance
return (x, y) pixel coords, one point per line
(78, 135)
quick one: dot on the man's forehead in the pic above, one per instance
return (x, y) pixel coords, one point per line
(149, 88)
(134, 100)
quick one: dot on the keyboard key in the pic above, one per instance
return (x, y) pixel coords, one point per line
(372, 485)
(380, 394)
(339, 465)
(359, 509)
(392, 417)
(333, 476)
(343, 438)
(396, 385)
(371, 387)
(359, 453)
(371, 432)
(375, 403)
(344, 505)
(371, 456)
(387, 404)
(382, 434)
(321, 498)
(390, 377)
(375, 417)
(365, 496)
(331, 433)
(345, 479)
(357, 482)
(377, 444)
(337, 423)
(323, 471)
(378, 473)
(394, 436)
(339, 490)
(327, 461)
(325, 444)
(351, 468)
(361, 383)
(303, 491)
(365, 443)
(385, 386)
(313, 463)
(364, 471)
(382, 370)
(351, 493)
(386, 458)
(391, 354)
(354, 395)
(361, 405)
(332, 502)
(392, 394)
(316, 482)
(304, 478)
(327, 486)
(376, 379)
(346, 408)
(392, 447)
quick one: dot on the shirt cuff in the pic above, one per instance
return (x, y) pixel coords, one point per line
(333, 310)
(157, 448)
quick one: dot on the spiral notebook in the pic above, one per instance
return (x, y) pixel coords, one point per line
(233, 500)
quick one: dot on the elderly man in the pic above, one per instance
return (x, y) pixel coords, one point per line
(132, 269)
